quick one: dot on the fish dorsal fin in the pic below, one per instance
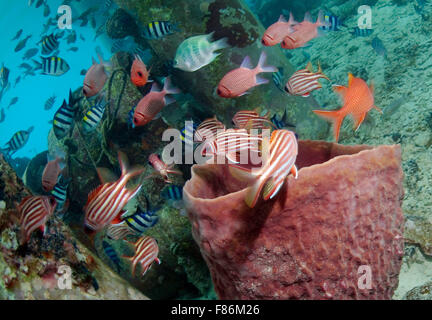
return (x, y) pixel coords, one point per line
(350, 79)
(282, 19)
(341, 90)
(309, 67)
(93, 61)
(106, 175)
(308, 17)
(246, 63)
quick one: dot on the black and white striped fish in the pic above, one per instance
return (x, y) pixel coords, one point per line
(361, 32)
(52, 66)
(49, 44)
(142, 220)
(64, 118)
(17, 141)
(93, 117)
(59, 192)
(50, 102)
(159, 29)
(112, 255)
(278, 79)
(282, 122)
(333, 23)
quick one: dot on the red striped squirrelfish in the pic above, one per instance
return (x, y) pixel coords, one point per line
(358, 100)
(231, 144)
(152, 104)
(95, 78)
(237, 82)
(35, 211)
(162, 168)
(51, 173)
(304, 32)
(208, 129)
(304, 81)
(105, 203)
(247, 119)
(139, 73)
(119, 231)
(278, 162)
(278, 31)
(146, 253)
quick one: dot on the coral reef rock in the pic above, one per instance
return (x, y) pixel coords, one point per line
(334, 233)
(54, 266)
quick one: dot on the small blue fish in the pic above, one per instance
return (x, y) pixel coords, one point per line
(361, 32)
(379, 47)
(112, 255)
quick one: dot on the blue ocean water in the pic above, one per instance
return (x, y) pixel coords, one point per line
(33, 91)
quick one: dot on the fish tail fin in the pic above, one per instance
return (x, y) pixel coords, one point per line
(220, 44)
(335, 117)
(169, 87)
(261, 67)
(38, 65)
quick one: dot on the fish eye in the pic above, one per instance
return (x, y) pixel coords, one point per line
(140, 73)
(219, 92)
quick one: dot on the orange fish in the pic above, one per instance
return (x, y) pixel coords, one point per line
(304, 32)
(238, 81)
(95, 78)
(278, 31)
(139, 72)
(51, 172)
(358, 99)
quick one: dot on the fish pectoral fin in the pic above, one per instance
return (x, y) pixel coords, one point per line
(294, 171)
(358, 119)
(341, 90)
(375, 107)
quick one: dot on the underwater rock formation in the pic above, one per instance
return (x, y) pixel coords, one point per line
(234, 20)
(34, 271)
(33, 174)
(343, 212)
(121, 24)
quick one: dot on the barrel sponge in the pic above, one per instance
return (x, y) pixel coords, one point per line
(334, 233)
